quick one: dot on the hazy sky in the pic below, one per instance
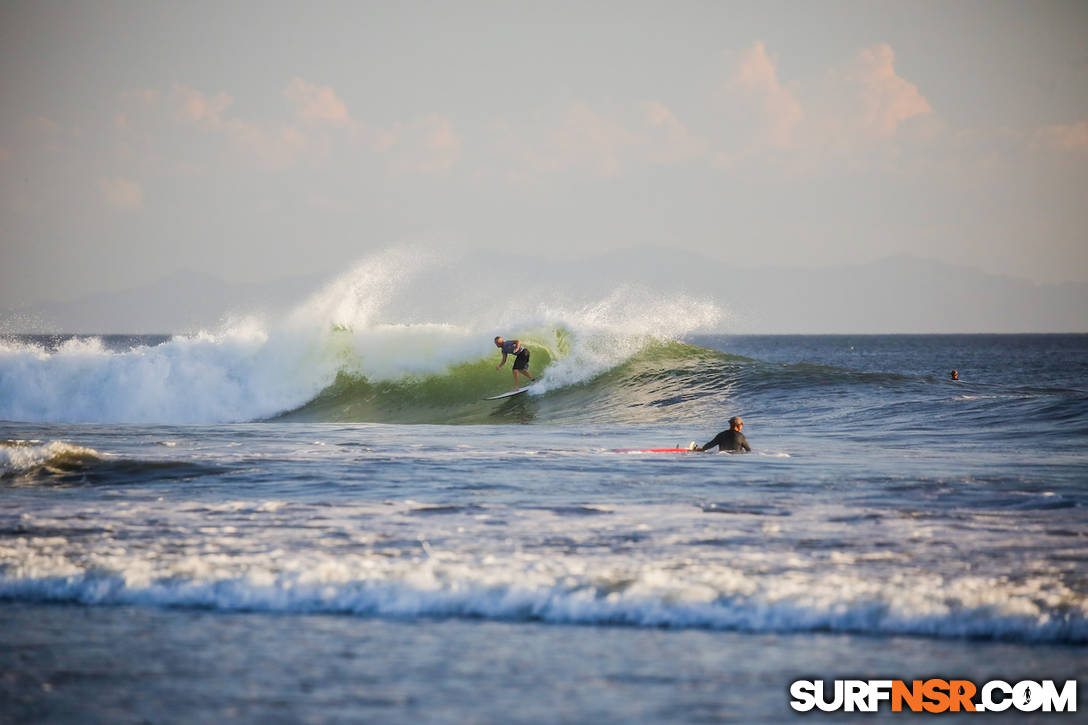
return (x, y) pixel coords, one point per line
(256, 140)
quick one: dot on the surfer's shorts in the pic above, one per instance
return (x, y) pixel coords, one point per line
(521, 362)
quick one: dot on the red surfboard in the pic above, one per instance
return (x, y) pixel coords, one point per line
(654, 450)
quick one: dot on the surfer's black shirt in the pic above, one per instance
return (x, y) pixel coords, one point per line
(730, 441)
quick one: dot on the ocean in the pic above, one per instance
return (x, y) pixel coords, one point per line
(320, 520)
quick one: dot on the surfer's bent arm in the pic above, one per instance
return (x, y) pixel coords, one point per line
(710, 444)
(509, 347)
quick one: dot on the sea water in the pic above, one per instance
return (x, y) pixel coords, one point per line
(325, 522)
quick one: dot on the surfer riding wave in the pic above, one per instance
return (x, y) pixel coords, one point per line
(521, 357)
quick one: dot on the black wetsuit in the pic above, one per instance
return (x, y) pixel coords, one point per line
(730, 441)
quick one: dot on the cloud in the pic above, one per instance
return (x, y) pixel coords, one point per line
(1071, 138)
(756, 79)
(122, 194)
(314, 121)
(884, 99)
(275, 148)
(669, 140)
(587, 137)
(851, 110)
(855, 108)
(316, 103)
(192, 106)
(427, 146)
(270, 145)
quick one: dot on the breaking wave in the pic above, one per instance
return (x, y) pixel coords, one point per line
(354, 351)
(559, 591)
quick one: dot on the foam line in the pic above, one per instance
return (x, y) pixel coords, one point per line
(558, 603)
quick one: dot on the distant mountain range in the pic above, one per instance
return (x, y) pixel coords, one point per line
(901, 294)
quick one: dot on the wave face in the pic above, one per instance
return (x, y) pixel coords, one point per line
(365, 348)
(577, 386)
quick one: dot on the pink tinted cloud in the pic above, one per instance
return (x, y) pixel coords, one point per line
(316, 103)
(1071, 138)
(193, 106)
(669, 140)
(427, 146)
(884, 98)
(757, 78)
(274, 148)
(587, 137)
(271, 146)
(859, 106)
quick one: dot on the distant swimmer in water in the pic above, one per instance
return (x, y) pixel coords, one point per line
(729, 441)
(955, 374)
(521, 357)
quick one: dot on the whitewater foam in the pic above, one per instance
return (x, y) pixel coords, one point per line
(525, 587)
(19, 456)
(611, 331)
(414, 560)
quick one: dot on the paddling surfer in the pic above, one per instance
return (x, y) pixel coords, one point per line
(729, 441)
(521, 357)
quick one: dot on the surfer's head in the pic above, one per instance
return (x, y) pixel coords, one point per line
(735, 422)
(498, 340)
(955, 374)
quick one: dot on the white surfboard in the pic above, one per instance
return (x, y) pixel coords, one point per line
(519, 391)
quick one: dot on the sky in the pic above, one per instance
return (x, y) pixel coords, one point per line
(260, 140)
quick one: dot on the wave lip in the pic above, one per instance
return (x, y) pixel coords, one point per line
(23, 456)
